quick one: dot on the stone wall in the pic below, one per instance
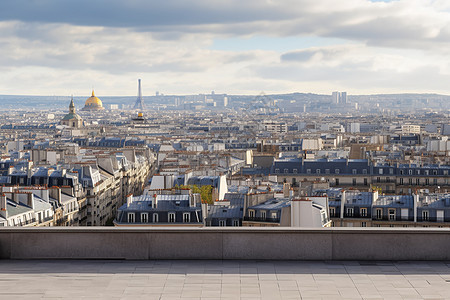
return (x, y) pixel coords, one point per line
(226, 243)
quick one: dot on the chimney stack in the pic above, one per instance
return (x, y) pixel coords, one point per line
(3, 203)
(129, 200)
(55, 193)
(30, 200)
(155, 202)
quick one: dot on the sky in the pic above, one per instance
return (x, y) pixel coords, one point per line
(62, 47)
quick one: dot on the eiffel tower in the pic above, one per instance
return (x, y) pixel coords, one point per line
(139, 101)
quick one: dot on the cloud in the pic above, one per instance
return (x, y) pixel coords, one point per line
(169, 44)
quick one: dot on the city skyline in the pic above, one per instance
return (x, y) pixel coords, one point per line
(362, 47)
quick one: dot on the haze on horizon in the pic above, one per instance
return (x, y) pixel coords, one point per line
(52, 47)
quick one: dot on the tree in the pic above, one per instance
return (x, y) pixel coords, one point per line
(205, 191)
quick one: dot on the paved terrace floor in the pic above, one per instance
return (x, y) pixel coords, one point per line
(23, 279)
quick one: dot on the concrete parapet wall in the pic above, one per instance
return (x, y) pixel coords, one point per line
(226, 243)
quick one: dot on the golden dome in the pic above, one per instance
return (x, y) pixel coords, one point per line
(93, 103)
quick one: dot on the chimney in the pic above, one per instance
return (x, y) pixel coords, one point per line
(30, 200)
(15, 197)
(416, 201)
(342, 205)
(155, 202)
(55, 193)
(44, 195)
(129, 200)
(204, 212)
(3, 203)
(374, 196)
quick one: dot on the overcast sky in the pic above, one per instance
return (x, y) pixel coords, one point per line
(61, 47)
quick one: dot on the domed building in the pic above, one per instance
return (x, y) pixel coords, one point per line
(72, 119)
(93, 103)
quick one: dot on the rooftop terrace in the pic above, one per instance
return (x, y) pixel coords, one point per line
(217, 279)
(224, 263)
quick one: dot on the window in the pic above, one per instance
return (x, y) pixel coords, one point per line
(435, 181)
(379, 213)
(410, 181)
(363, 212)
(363, 224)
(155, 218)
(427, 172)
(391, 214)
(144, 217)
(277, 170)
(308, 171)
(222, 223)
(354, 172)
(445, 172)
(336, 171)
(378, 179)
(251, 213)
(391, 171)
(417, 172)
(380, 171)
(401, 180)
(354, 181)
(427, 181)
(186, 217)
(350, 212)
(286, 171)
(425, 215)
(273, 215)
(435, 172)
(295, 171)
(364, 171)
(327, 171)
(317, 171)
(263, 214)
(410, 172)
(130, 217)
(171, 217)
(332, 211)
(337, 181)
(236, 223)
(365, 181)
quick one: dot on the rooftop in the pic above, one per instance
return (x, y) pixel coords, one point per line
(214, 279)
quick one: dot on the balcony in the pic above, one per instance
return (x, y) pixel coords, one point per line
(393, 218)
(259, 219)
(358, 215)
(432, 219)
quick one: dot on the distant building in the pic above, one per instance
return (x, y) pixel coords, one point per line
(368, 209)
(339, 97)
(93, 103)
(72, 119)
(150, 209)
(410, 129)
